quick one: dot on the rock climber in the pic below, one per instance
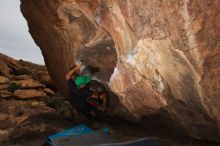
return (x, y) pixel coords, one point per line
(83, 95)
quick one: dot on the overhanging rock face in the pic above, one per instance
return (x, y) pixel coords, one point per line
(166, 58)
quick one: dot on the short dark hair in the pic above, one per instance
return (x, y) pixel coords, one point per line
(93, 69)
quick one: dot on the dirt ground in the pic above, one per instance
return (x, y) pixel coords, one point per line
(30, 122)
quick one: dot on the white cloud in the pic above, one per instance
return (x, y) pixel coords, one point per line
(21, 51)
(15, 40)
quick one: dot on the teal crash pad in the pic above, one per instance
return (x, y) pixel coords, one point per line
(80, 135)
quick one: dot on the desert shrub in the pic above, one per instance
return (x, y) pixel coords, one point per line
(5, 124)
(23, 71)
(12, 87)
(54, 102)
(62, 107)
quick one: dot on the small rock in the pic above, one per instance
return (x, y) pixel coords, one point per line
(4, 86)
(26, 94)
(21, 77)
(5, 94)
(3, 133)
(4, 69)
(3, 116)
(45, 78)
(35, 103)
(28, 83)
(49, 91)
(4, 80)
(8, 65)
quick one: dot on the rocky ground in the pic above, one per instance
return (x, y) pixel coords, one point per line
(163, 56)
(31, 109)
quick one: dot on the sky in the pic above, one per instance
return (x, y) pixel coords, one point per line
(15, 40)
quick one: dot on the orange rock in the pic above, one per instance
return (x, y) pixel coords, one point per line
(4, 80)
(31, 93)
(8, 65)
(48, 91)
(4, 86)
(5, 94)
(28, 83)
(168, 52)
(20, 77)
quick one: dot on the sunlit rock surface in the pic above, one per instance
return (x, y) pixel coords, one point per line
(163, 56)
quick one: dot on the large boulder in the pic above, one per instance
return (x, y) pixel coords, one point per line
(167, 65)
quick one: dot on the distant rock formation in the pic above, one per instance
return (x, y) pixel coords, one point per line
(28, 106)
(21, 79)
(166, 58)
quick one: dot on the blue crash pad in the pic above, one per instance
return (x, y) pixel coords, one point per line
(81, 135)
(78, 130)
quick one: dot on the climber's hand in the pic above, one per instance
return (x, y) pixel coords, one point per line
(94, 96)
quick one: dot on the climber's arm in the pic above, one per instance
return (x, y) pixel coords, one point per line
(70, 73)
